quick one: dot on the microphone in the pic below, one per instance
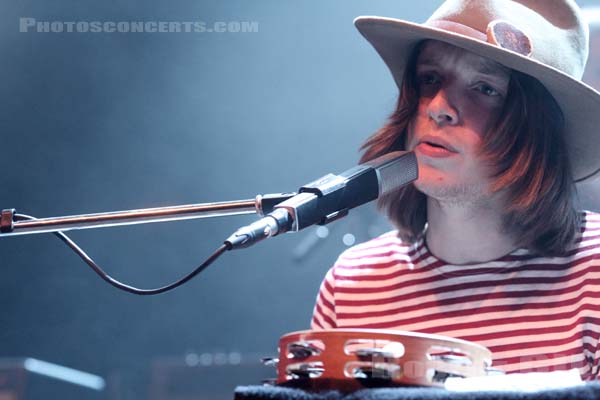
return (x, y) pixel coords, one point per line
(331, 197)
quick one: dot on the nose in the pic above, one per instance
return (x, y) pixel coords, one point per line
(441, 109)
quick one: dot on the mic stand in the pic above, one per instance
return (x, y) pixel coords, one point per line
(262, 205)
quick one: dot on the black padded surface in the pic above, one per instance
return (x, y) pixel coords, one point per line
(589, 391)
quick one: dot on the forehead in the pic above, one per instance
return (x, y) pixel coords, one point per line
(437, 53)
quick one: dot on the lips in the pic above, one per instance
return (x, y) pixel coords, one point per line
(435, 147)
(437, 142)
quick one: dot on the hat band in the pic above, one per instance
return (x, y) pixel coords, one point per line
(499, 33)
(457, 28)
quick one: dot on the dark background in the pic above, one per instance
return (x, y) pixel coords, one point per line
(93, 122)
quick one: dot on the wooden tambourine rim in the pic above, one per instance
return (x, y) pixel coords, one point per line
(415, 364)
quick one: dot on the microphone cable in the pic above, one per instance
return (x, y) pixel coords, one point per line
(320, 202)
(120, 285)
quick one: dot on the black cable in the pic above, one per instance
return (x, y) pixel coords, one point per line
(119, 285)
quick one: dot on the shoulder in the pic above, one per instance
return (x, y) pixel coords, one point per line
(590, 220)
(589, 232)
(584, 251)
(381, 246)
(378, 254)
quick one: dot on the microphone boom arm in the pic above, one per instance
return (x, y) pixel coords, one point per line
(261, 205)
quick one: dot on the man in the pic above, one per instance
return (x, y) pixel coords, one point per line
(489, 246)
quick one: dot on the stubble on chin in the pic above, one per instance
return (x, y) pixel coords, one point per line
(457, 195)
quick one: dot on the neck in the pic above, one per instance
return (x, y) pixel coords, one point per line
(467, 233)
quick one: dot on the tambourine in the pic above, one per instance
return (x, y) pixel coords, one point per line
(352, 359)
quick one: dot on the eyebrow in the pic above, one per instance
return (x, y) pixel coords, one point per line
(485, 66)
(490, 67)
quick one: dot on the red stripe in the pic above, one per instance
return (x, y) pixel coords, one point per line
(326, 318)
(395, 247)
(322, 300)
(467, 285)
(378, 244)
(413, 306)
(328, 287)
(577, 337)
(367, 266)
(488, 337)
(315, 322)
(356, 253)
(390, 324)
(555, 367)
(467, 271)
(500, 294)
(579, 348)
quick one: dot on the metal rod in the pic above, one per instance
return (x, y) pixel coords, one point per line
(259, 205)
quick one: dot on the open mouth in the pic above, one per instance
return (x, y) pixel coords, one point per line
(436, 145)
(435, 148)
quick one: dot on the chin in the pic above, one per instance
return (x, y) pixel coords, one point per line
(431, 187)
(453, 191)
(433, 177)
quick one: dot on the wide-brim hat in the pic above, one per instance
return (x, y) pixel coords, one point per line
(546, 39)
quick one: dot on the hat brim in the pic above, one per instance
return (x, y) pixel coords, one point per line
(395, 39)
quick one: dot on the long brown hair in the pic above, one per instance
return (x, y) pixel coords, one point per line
(526, 145)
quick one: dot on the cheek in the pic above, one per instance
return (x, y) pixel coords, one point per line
(481, 116)
(416, 123)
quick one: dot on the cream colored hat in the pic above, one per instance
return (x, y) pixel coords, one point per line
(547, 39)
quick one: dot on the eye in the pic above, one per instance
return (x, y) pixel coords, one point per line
(428, 78)
(487, 90)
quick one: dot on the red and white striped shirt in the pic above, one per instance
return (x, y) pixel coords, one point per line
(533, 313)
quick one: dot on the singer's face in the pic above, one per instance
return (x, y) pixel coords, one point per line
(461, 96)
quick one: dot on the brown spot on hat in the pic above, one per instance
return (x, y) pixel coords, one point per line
(509, 37)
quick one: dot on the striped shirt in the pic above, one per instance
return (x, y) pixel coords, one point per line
(533, 313)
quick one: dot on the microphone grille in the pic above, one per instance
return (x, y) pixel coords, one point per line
(394, 170)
